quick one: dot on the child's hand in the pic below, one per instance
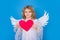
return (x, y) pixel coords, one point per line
(17, 25)
(36, 27)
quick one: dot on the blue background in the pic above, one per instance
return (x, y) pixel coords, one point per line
(14, 8)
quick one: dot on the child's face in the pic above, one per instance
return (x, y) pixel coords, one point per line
(28, 13)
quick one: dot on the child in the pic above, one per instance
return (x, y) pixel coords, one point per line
(33, 33)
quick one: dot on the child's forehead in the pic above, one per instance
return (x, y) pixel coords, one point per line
(27, 9)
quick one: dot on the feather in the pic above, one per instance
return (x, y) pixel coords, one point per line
(16, 30)
(41, 22)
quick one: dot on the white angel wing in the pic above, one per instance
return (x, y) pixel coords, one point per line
(14, 22)
(41, 22)
(17, 30)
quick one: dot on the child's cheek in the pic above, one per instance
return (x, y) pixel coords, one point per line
(30, 14)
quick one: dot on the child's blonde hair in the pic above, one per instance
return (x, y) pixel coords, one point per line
(32, 10)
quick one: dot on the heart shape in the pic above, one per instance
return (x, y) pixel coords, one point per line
(26, 25)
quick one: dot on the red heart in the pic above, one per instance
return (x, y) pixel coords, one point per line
(26, 25)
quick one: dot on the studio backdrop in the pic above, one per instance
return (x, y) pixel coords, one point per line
(14, 8)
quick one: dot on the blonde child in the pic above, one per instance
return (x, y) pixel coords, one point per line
(36, 31)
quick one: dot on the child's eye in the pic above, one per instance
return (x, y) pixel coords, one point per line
(25, 11)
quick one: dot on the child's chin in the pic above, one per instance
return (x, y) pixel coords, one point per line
(28, 17)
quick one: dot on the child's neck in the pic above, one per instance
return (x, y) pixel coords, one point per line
(28, 18)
